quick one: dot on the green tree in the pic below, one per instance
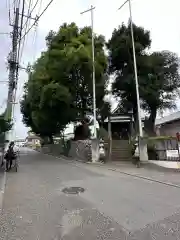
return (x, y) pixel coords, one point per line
(45, 109)
(121, 62)
(159, 85)
(70, 57)
(157, 73)
(5, 126)
(60, 86)
(104, 112)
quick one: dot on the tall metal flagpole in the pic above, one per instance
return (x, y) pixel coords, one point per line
(135, 73)
(93, 69)
(135, 69)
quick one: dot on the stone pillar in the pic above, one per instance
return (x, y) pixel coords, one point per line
(143, 156)
(95, 150)
(109, 139)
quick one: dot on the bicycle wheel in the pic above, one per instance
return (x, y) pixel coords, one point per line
(16, 164)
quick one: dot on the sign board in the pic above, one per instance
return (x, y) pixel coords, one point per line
(172, 153)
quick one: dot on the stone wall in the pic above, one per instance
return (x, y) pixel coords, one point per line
(85, 150)
(81, 150)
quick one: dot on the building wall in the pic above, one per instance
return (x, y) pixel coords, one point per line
(170, 129)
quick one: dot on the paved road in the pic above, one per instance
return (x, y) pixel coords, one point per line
(151, 171)
(113, 206)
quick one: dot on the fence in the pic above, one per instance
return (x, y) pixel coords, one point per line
(163, 149)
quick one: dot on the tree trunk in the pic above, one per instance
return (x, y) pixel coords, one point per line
(150, 123)
(135, 116)
(51, 139)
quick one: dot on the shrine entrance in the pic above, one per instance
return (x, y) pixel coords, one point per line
(120, 127)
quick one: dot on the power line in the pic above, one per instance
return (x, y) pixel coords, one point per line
(25, 25)
(40, 5)
(22, 37)
(4, 33)
(36, 33)
(21, 27)
(17, 99)
(34, 42)
(14, 5)
(9, 11)
(30, 11)
(37, 19)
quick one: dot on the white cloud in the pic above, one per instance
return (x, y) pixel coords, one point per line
(160, 17)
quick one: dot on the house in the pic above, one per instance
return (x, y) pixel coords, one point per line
(32, 140)
(168, 125)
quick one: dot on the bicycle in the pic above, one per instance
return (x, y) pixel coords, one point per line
(14, 165)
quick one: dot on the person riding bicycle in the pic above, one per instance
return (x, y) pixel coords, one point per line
(10, 156)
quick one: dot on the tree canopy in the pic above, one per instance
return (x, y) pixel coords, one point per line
(158, 74)
(59, 88)
(5, 126)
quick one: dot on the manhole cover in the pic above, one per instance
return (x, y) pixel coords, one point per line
(73, 190)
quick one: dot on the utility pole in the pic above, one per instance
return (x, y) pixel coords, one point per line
(13, 67)
(13, 61)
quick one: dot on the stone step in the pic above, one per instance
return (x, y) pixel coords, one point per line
(123, 152)
(120, 146)
(121, 149)
(121, 159)
(120, 156)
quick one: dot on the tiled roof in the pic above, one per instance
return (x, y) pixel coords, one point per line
(172, 117)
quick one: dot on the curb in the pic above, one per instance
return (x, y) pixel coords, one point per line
(126, 173)
(115, 170)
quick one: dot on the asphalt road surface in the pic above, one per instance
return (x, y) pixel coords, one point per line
(112, 206)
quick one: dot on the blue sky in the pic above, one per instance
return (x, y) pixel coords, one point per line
(160, 17)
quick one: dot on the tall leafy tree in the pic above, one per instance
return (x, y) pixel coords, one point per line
(70, 56)
(157, 73)
(160, 82)
(60, 86)
(121, 62)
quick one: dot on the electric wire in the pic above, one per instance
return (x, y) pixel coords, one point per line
(26, 25)
(37, 19)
